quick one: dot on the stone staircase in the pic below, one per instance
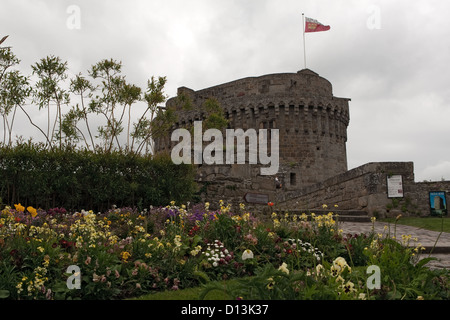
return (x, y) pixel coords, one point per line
(343, 215)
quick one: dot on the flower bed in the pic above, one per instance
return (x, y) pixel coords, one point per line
(125, 253)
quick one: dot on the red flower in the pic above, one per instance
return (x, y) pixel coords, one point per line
(65, 243)
(270, 204)
(194, 230)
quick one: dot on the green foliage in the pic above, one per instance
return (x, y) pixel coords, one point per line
(126, 252)
(14, 89)
(214, 115)
(69, 178)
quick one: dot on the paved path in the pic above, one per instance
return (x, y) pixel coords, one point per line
(425, 237)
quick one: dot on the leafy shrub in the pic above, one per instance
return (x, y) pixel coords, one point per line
(74, 179)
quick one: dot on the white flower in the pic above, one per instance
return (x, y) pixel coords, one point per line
(248, 254)
(215, 264)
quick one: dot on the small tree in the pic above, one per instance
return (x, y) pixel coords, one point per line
(83, 88)
(14, 89)
(143, 128)
(51, 72)
(116, 93)
(128, 96)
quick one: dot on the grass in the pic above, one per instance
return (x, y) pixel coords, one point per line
(188, 294)
(428, 223)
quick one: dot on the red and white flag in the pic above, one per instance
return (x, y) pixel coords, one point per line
(312, 25)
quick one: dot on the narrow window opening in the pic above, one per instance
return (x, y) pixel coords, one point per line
(293, 179)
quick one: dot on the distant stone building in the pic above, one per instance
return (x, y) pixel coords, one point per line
(312, 126)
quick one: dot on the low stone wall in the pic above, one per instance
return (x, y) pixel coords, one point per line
(422, 191)
(365, 188)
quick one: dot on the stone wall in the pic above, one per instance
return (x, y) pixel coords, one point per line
(365, 188)
(421, 194)
(362, 188)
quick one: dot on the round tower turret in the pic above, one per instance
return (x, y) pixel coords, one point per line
(312, 126)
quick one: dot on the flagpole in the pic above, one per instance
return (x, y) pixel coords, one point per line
(304, 45)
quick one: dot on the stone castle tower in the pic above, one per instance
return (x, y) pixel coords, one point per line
(312, 126)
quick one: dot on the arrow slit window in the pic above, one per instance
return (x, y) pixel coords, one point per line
(292, 178)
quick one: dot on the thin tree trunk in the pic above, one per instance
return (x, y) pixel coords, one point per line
(31, 121)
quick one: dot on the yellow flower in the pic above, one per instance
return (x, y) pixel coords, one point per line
(340, 262)
(276, 223)
(349, 287)
(177, 241)
(32, 211)
(271, 284)
(125, 255)
(19, 207)
(46, 260)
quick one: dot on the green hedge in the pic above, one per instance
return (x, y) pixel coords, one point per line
(74, 179)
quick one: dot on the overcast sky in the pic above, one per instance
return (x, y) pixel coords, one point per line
(392, 58)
